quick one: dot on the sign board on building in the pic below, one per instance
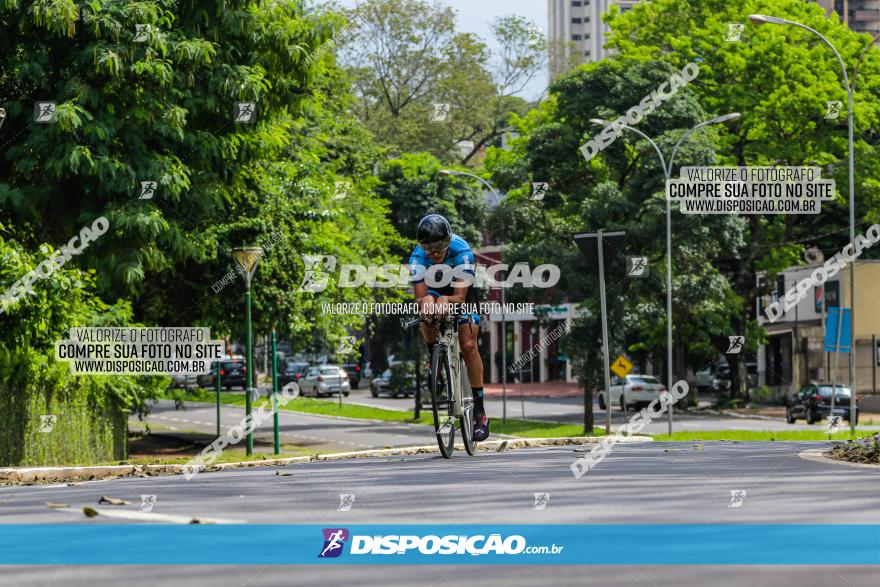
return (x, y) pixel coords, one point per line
(832, 295)
(838, 323)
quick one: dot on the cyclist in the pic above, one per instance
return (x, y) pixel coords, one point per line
(438, 246)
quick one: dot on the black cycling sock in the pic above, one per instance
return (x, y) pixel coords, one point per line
(478, 400)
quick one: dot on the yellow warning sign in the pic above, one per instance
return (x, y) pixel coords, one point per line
(621, 366)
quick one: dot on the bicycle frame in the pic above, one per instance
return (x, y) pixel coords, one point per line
(448, 338)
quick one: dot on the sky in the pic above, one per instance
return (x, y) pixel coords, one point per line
(476, 16)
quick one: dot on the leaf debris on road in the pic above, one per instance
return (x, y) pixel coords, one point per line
(113, 501)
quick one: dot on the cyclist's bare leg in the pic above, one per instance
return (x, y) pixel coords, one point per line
(467, 340)
(429, 331)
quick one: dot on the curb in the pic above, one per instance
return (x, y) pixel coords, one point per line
(815, 454)
(742, 416)
(32, 475)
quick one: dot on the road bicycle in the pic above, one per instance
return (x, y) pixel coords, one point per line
(448, 382)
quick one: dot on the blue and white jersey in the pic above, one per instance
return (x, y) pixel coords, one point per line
(459, 258)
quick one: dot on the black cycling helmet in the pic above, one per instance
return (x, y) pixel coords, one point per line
(434, 232)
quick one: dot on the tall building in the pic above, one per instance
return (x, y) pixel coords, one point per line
(577, 33)
(861, 15)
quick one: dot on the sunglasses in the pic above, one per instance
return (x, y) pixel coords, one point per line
(437, 247)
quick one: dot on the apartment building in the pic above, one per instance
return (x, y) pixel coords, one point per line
(861, 15)
(576, 31)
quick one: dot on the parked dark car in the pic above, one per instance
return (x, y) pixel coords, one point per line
(293, 371)
(399, 381)
(813, 403)
(354, 374)
(722, 377)
(232, 374)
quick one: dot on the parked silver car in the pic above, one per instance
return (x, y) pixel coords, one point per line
(324, 380)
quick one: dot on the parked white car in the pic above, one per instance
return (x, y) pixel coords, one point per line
(632, 390)
(324, 380)
(705, 377)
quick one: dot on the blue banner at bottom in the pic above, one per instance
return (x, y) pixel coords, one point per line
(593, 544)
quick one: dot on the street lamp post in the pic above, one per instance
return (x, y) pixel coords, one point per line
(247, 259)
(760, 19)
(667, 172)
(447, 172)
(275, 392)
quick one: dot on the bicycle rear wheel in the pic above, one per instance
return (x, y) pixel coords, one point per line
(466, 420)
(443, 404)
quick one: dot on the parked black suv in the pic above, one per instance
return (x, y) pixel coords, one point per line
(232, 374)
(294, 371)
(813, 403)
(354, 374)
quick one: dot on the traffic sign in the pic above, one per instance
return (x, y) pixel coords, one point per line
(621, 366)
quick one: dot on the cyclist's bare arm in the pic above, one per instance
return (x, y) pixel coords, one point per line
(430, 306)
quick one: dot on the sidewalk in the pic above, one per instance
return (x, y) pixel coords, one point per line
(546, 389)
(770, 411)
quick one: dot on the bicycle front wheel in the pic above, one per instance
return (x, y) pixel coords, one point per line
(443, 401)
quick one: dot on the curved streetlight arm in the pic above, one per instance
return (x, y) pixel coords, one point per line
(481, 180)
(681, 140)
(647, 138)
(760, 19)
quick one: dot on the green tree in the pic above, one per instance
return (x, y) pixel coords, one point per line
(405, 56)
(781, 79)
(622, 187)
(158, 107)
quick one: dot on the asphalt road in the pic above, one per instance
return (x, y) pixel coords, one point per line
(570, 410)
(324, 433)
(652, 483)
